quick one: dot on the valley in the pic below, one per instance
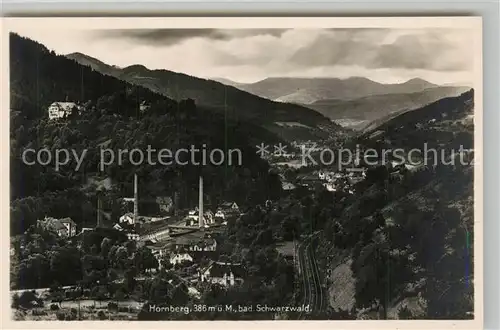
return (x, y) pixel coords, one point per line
(351, 238)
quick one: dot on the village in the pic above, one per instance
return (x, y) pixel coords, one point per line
(173, 240)
(177, 242)
(186, 242)
(293, 174)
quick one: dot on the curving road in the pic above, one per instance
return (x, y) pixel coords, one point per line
(314, 293)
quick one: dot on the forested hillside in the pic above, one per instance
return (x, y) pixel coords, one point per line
(111, 116)
(220, 97)
(407, 233)
(444, 124)
(374, 110)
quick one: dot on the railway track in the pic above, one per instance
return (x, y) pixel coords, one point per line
(313, 290)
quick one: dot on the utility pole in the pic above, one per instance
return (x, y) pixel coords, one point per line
(99, 209)
(201, 221)
(136, 199)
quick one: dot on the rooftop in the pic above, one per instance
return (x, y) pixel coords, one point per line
(56, 224)
(218, 269)
(157, 245)
(68, 220)
(153, 227)
(227, 204)
(64, 105)
(194, 238)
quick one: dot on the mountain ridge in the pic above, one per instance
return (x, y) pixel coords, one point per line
(374, 108)
(210, 93)
(226, 81)
(111, 112)
(296, 90)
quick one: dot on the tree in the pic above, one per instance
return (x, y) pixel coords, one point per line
(130, 281)
(120, 258)
(119, 295)
(131, 247)
(27, 298)
(112, 274)
(58, 296)
(99, 293)
(16, 302)
(101, 315)
(380, 272)
(106, 246)
(159, 292)
(112, 306)
(65, 265)
(35, 271)
(54, 287)
(264, 238)
(111, 254)
(145, 260)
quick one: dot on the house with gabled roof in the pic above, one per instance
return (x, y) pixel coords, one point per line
(70, 226)
(159, 251)
(228, 209)
(229, 206)
(65, 227)
(62, 109)
(179, 258)
(195, 243)
(224, 273)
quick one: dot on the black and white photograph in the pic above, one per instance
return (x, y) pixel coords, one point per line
(231, 170)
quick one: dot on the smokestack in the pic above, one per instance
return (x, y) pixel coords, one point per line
(201, 221)
(176, 201)
(136, 200)
(99, 206)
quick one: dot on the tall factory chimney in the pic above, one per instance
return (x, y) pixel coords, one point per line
(176, 203)
(99, 210)
(201, 220)
(136, 200)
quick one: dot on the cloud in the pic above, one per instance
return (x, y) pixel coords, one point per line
(167, 37)
(385, 48)
(429, 52)
(248, 55)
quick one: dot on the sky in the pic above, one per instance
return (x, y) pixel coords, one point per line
(441, 56)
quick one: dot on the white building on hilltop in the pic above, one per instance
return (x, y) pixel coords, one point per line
(62, 109)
